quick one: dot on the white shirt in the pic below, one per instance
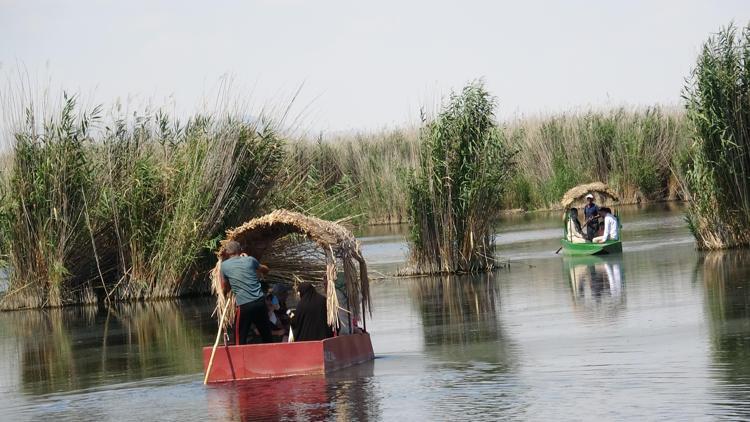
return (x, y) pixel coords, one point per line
(610, 228)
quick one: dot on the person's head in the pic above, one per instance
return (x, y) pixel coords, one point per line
(272, 302)
(280, 291)
(305, 289)
(604, 211)
(231, 249)
(574, 212)
(590, 198)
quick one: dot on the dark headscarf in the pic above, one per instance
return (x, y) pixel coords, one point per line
(574, 217)
(310, 319)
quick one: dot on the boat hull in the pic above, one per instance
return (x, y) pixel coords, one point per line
(581, 249)
(272, 360)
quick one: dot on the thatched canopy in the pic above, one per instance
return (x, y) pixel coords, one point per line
(601, 192)
(267, 237)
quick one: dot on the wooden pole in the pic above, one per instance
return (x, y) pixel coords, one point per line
(216, 343)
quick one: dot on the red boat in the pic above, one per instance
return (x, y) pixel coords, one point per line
(271, 360)
(337, 244)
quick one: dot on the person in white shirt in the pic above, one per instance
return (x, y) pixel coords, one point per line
(611, 229)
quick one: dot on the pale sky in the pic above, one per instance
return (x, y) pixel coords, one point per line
(364, 65)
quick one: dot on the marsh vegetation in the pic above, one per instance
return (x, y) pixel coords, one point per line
(718, 106)
(102, 206)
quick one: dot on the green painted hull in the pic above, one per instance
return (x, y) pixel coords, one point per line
(581, 249)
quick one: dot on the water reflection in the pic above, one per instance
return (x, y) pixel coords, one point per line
(596, 283)
(457, 310)
(348, 394)
(79, 347)
(726, 276)
(472, 358)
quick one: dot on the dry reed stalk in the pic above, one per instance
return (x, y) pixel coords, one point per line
(577, 193)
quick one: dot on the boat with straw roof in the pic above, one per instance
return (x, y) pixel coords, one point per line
(293, 243)
(603, 194)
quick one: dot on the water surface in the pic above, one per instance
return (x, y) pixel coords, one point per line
(659, 332)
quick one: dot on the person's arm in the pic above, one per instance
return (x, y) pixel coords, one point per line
(607, 224)
(616, 228)
(257, 266)
(225, 288)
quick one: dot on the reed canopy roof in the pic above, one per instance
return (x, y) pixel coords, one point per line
(294, 246)
(602, 193)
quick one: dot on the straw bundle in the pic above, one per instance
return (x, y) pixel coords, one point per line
(579, 192)
(297, 247)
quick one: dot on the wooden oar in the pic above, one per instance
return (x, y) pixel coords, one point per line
(558, 251)
(216, 343)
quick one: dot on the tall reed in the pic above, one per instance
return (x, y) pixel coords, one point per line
(718, 106)
(631, 150)
(362, 174)
(131, 209)
(457, 190)
(44, 209)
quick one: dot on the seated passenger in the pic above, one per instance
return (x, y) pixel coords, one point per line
(276, 325)
(310, 319)
(611, 229)
(591, 215)
(280, 295)
(575, 233)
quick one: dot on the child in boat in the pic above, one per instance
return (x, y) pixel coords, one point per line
(575, 234)
(611, 229)
(277, 326)
(280, 294)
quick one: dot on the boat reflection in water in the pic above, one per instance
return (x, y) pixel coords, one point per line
(347, 394)
(726, 277)
(596, 282)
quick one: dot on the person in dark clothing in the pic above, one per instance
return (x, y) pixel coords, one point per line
(310, 320)
(240, 273)
(591, 213)
(574, 230)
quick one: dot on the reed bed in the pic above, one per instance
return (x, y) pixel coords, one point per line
(718, 177)
(129, 209)
(631, 150)
(457, 190)
(362, 174)
(100, 207)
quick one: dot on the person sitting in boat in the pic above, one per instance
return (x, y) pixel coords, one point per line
(277, 327)
(239, 272)
(310, 319)
(280, 294)
(591, 215)
(575, 233)
(611, 229)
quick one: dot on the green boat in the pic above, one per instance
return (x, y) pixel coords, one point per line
(581, 249)
(575, 195)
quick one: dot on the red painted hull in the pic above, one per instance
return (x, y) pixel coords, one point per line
(286, 359)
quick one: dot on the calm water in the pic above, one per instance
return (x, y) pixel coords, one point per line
(660, 332)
